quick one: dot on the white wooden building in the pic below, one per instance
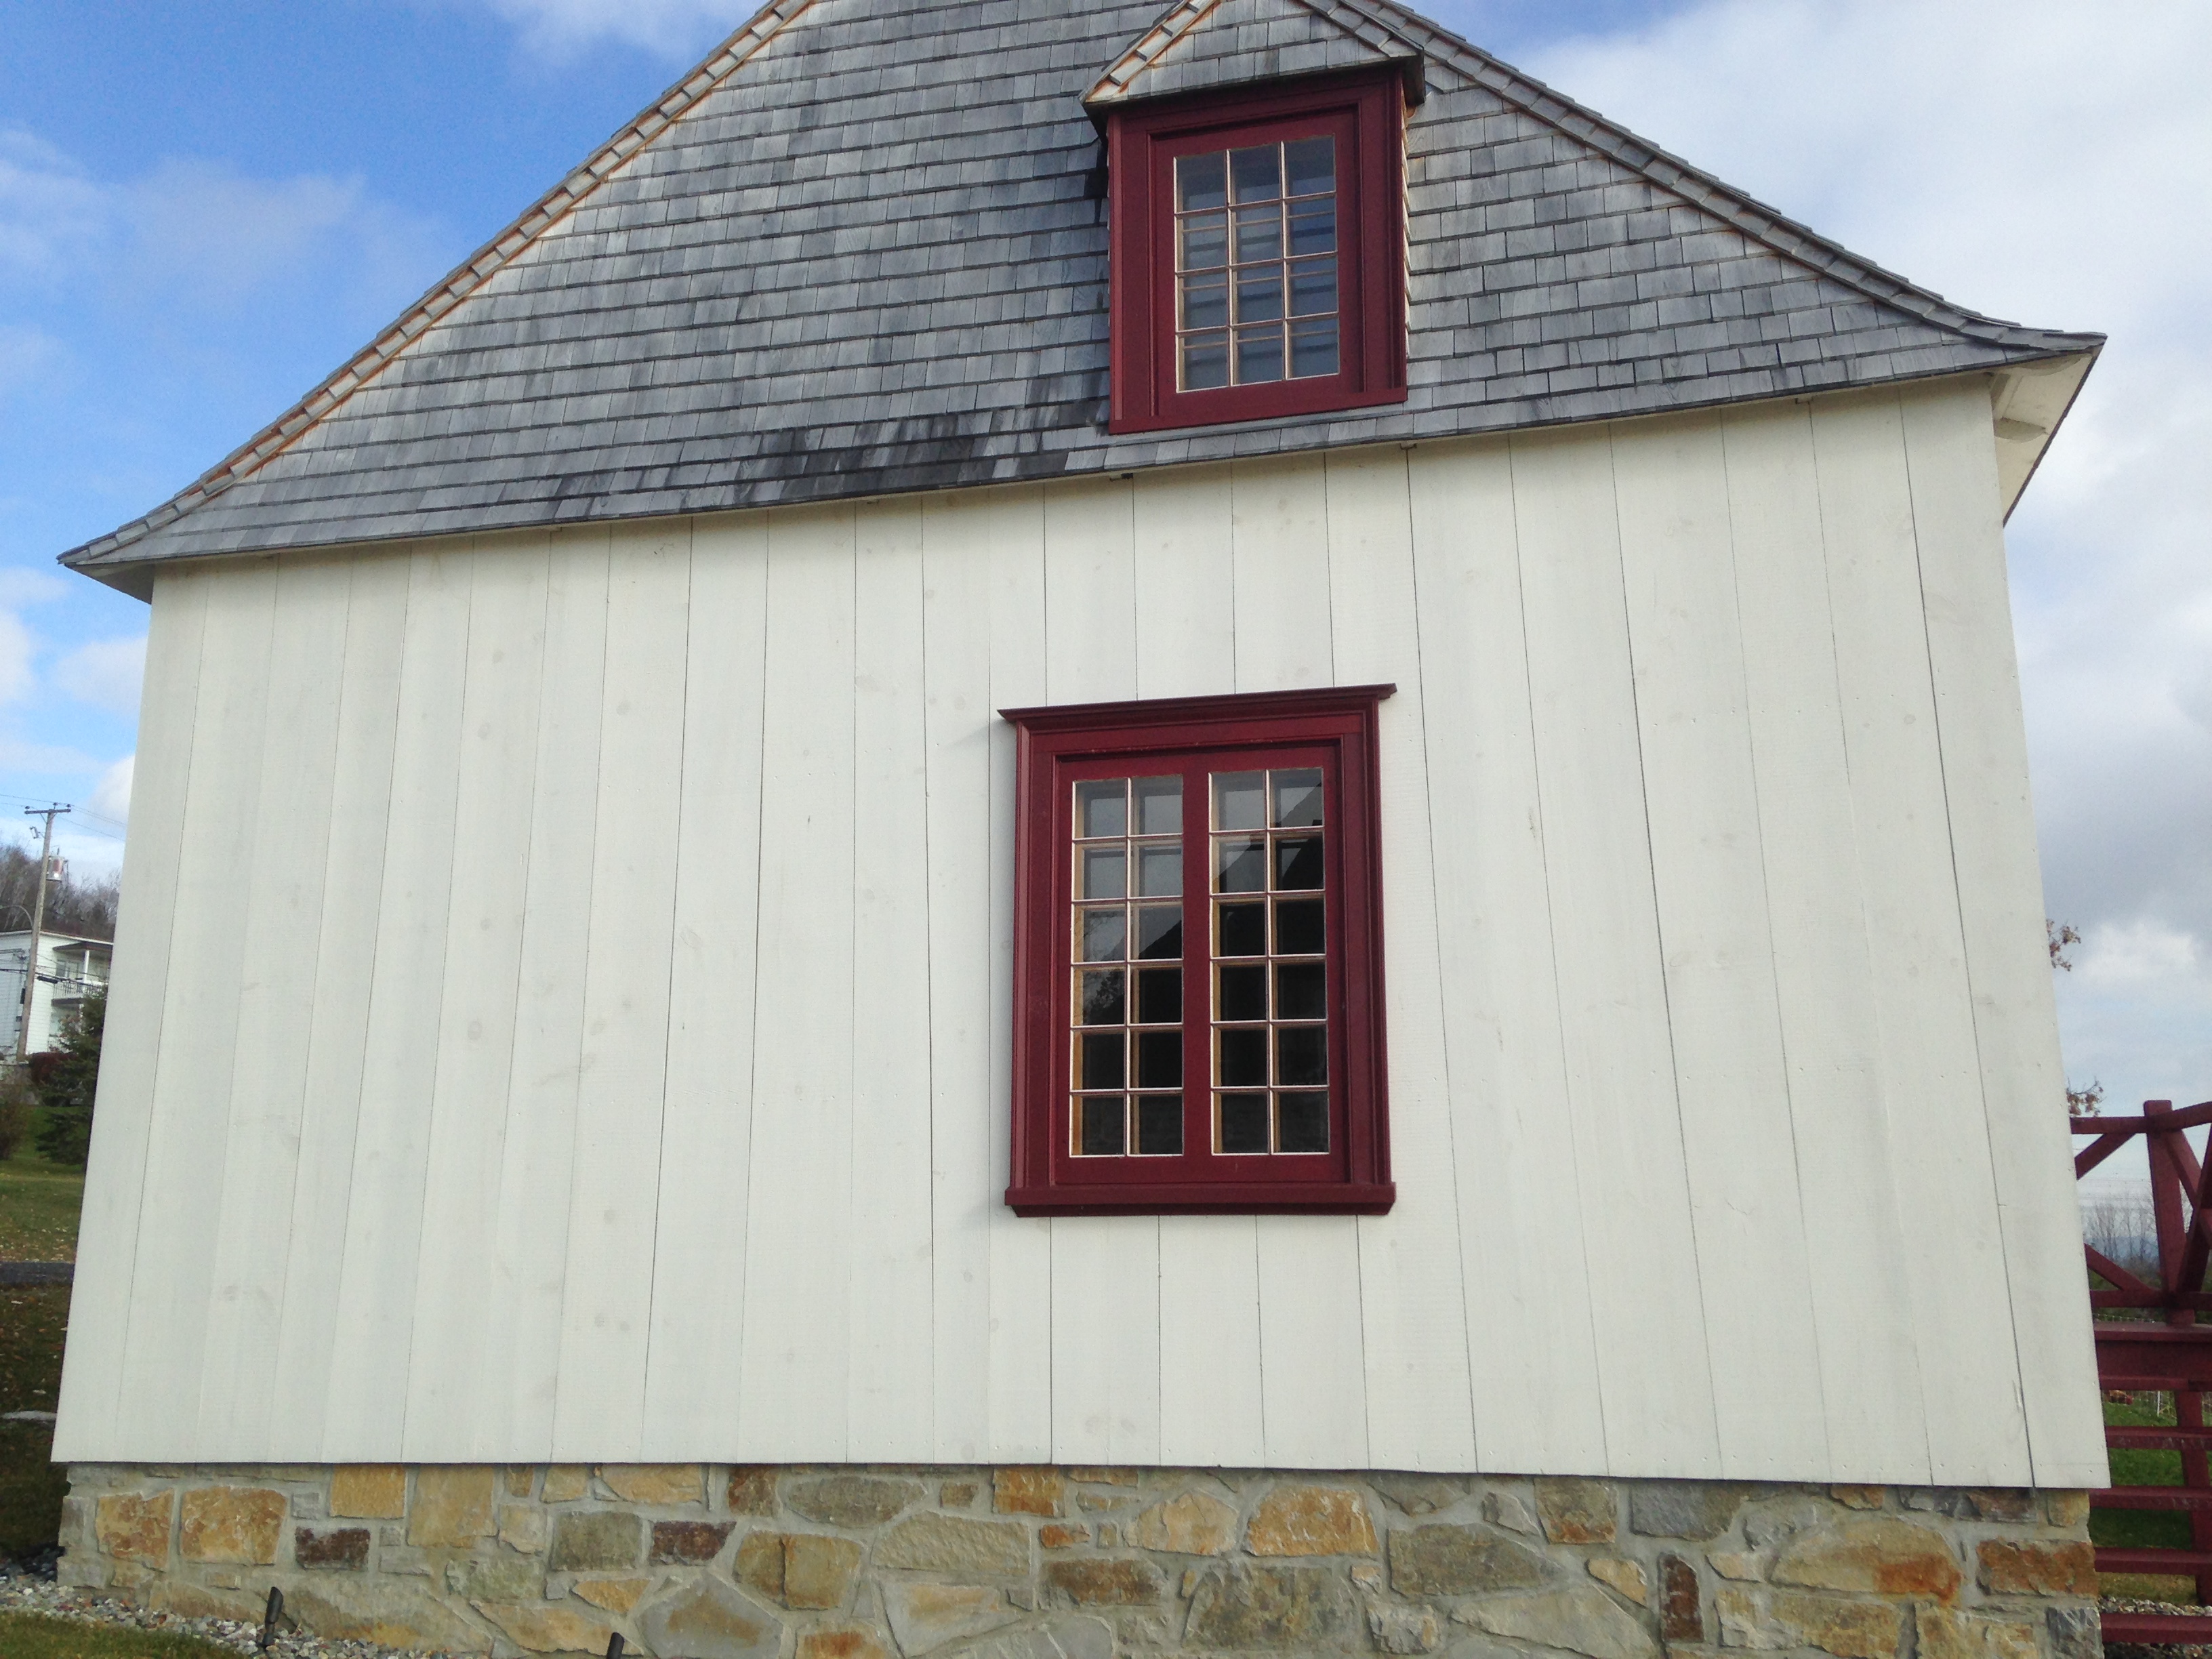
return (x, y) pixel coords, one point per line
(570, 1007)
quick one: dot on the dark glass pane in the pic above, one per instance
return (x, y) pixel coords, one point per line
(1259, 297)
(1101, 1126)
(1301, 990)
(1205, 303)
(1258, 238)
(1104, 997)
(1258, 356)
(1297, 864)
(1206, 362)
(1313, 288)
(1205, 242)
(1159, 806)
(1159, 933)
(1159, 1124)
(1257, 173)
(1243, 1057)
(1240, 800)
(1105, 873)
(1312, 165)
(1159, 871)
(1240, 864)
(1159, 996)
(1105, 935)
(1313, 227)
(1100, 1061)
(1102, 809)
(1243, 1124)
(1202, 181)
(1244, 930)
(1243, 993)
(1313, 348)
(1302, 1123)
(1301, 1053)
(1159, 1059)
(1298, 931)
(1298, 798)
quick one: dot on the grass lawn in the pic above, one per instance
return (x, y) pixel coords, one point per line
(32, 1319)
(39, 1203)
(31, 1636)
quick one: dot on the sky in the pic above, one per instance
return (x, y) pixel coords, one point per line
(205, 208)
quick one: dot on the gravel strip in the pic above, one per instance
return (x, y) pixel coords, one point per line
(2144, 1649)
(31, 1588)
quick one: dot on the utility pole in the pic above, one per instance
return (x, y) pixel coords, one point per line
(37, 923)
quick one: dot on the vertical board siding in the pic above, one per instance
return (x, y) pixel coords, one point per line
(618, 923)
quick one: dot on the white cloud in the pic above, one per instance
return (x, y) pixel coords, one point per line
(17, 650)
(105, 673)
(110, 797)
(50, 212)
(26, 353)
(668, 27)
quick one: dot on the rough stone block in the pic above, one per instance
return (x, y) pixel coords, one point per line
(496, 1579)
(1739, 1564)
(1269, 1606)
(1076, 1637)
(1623, 1577)
(656, 1486)
(1302, 1520)
(948, 1544)
(709, 1620)
(1091, 1474)
(1193, 1524)
(550, 1629)
(453, 1507)
(1946, 1633)
(819, 1573)
(1123, 1582)
(565, 1483)
(524, 1527)
(1419, 1494)
(1062, 1536)
(615, 1595)
(517, 1479)
(368, 1492)
(2067, 1509)
(1850, 1630)
(338, 1549)
(957, 1494)
(1682, 1509)
(1581, 1619)
(759, 1563)
(188, 1601)
(1577, 1511)
(1682, 1617)
(605, 1542)
(925, 1616)
(751, 1490)
(851, 1500)
(2067, 1568)
(1859, 1498)
(2073, 1633)
(1766, 1525)
(392, 1614)
(1505, 1509)
(1448, 1560)
(843, 1642)
(676, 1542)
(132, 1526)
(1878, 1555)
(237, 1524)
(1405, 1630)
(1028, 1492)
(2002, 1502)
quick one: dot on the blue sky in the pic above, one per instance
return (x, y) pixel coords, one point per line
(205, 208)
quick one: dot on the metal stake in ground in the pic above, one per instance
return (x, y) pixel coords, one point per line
(269, 1619)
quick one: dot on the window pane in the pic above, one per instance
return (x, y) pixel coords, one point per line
(1101, 1126)
(1101, 1061)
(1243, 1057)
(1105, 873)
(1240, 864)
(1313, 348)
(1313, 288)
(1297, 864)
(1298, 927)
(1298, 798)
(1103, 997)
(1257, 173)
(1159, 996)
(1205, 242)
(1313, 227)
(1260, 295)
(1258, 356)
(1301, 1053)
(1302, 1123)
(1242, 994)
(1159, 806)
(1312, 165)
(1244, 930)
(1301, 990)
(1205, 362)
(1159, 1124)
(1159, 872)
(1205, 301)
(1105, 935)
(1159, 933)
(1243, 1124)
(1159, 1059)
(1102, 809)
(1259, 236)
(1202, 181)
(1240, 800)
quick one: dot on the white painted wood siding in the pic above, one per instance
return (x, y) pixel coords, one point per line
(563, 1005)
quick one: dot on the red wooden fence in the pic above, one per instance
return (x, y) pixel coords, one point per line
(2158, 1346)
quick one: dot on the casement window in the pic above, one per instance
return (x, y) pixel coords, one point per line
(1259, 252)
(1198, 957)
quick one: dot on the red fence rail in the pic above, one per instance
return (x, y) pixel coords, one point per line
(2156, 1345)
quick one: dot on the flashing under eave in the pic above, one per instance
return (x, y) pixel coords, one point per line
(2027, 401)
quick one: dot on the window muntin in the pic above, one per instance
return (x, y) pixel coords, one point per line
(1126, 930)
(1255, 264)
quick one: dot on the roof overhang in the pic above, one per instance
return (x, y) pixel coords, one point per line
(2027, 402)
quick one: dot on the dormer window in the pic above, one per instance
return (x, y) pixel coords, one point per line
(1259, 253)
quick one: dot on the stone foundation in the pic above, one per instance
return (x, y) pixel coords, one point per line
(841, 1562)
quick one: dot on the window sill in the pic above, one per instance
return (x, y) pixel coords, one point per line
(1211, 1198)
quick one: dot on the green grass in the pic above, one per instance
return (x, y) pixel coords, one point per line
(38, 1205)
(33, 1319)
(2141, 1528)
(33, 1635)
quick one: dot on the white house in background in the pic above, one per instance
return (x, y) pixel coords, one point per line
(1083, 830)
(68, 967)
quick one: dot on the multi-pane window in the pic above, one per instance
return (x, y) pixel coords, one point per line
(1255, 263)
(1198, 956)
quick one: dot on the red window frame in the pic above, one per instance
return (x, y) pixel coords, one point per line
(1057, 748)
(1365, 112)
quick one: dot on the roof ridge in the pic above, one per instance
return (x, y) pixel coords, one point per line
(550, 209)
(1182, 19)
(1754, 218)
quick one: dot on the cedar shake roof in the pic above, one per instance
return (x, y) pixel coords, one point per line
(862, 249)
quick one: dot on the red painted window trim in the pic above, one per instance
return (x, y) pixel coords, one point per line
(1056, 747)
(1366, 111)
